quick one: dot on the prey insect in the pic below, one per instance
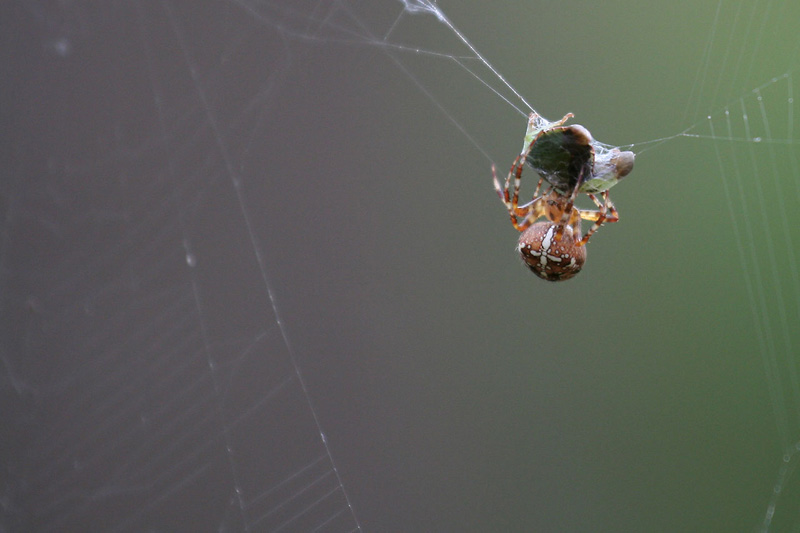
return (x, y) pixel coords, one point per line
(570, 162)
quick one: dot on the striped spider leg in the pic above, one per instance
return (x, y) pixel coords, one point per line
(571, 162)
(553, 249)
(556, 207)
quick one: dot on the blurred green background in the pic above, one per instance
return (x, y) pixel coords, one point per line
(631, 398)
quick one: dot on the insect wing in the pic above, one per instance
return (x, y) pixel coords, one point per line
(563, 156)
(610, 166)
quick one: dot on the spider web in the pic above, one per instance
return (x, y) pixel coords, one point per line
(254, 277)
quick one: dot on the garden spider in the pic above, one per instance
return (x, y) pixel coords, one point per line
(571, 161)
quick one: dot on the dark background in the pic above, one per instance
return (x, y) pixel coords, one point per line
(228, 227)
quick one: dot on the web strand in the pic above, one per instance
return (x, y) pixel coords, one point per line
(158, 304)
(237, 185)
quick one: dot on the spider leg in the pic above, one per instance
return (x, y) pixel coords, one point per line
(607, 213)
(589, 214)
(502, 192)
(568, 210)
(519, 163)
(538, 186)
(536, 195)
(563, 120)
(529, 212)
(614, 216)
(533, 212)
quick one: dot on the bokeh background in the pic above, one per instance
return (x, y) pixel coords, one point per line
(229, 226)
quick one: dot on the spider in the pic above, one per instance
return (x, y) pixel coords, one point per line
(571, 161)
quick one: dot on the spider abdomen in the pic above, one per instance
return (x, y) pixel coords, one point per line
(546, 256)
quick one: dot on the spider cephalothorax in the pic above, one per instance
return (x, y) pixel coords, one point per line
(570, 161)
